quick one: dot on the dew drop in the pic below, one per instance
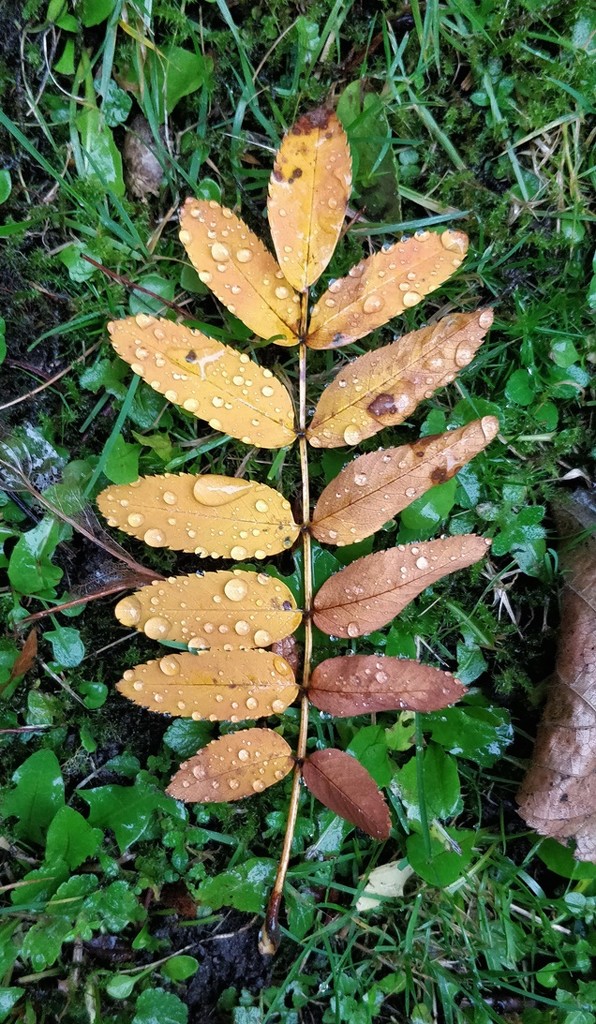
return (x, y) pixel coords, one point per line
(219, 252)
(244, 255)
(242, 627)
(258, 785)
(154, 538)
(156, 628)
(128, 611)
(351, 435)
(277, 706)
(243, 755)
(233, 783)
(454, 241)
(353, 629)
(411, 298)
(252, 703)
(360, 479)
(238, 552)
(485, 319)
(214, 490)
(261, 506)
(169, 666)
(235, 589)
(262, 638)
(205, 276)
(410, 492)
(169, 497)
(135, 519)
(422, 562)
(372, 304)
(137, 685)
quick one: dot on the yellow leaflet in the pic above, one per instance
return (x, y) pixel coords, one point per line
(383, 285)
(382, 388)
(240, 271)
(210, 515)
(213, 610)
(233, 767)
(208, 379)
(213, 685)
(308, 195)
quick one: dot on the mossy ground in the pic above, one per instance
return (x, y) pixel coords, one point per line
(476, 115)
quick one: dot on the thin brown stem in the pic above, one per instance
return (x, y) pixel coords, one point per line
(270, 935)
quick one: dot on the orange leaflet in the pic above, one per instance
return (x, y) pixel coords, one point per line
(373, 488)
(382, 388)
(308, 195)
(343, 785)
(383, 285)
(233, 767)
(370, 592)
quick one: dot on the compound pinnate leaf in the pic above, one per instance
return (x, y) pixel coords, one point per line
(233, 767)
(240, 271)
(382, 286)
(382, 388)
(357, 684)
(208, 379)
(212, 685)
(370, 592)
(341, 783)
(374, 487)
(308, 195)
(219, 516)
(213, 610)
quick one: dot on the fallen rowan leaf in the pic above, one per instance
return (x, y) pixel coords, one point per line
(212, 685)
(374, 487)
(240, 271)
(343, 785)
(558, 794)
(308, 195)
(213, 609)
(371, 591)
(25, 660)
(220, 516)
(233, 767)
(383, 285)
(382, 388)
(358, 684)
(388, 880)
(208, 379)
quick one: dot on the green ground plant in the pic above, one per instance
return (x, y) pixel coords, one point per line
(120, 904)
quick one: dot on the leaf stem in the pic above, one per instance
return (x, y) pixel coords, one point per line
(270, 935)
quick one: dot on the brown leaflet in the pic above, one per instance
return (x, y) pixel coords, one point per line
(382, 388)
(219, 516)
(210, 380)
(382, 286)
(358, 684)
(374, 487)
(558, 794)
(233, 767)
(226, 610)
(370, 592)
(213, 685)
(308, 195)
(240, 271)
(343, 785)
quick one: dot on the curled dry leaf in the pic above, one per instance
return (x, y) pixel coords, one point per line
(233, 767)
(343, 785)
(374, 487)
(387, 881)
(370, 592)
(383, 285)
(558, 794)
(212, 685)
(208, 379)
(219, 516)
(213, 609)
(357, 684)
(308, 195)
(240, 271)
(143, 171)
(382, 388)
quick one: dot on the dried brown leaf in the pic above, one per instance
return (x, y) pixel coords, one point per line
(358, 684)
(558, 794)
(233, 767)
(382, 388)
(208, 379)
(382, 286)
(26, 659)
(308, 195)
(213, 685)
(370, 592)
(213, 610)
(240, 271)
(219, 516)
(343, 785)
(374, 487)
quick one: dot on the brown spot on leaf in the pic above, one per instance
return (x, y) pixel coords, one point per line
(383, 405)
(296, 173)
(442, 473)
(191, 356)
(318, 118)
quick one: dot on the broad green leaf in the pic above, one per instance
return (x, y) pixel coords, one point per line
(71, 837)
(156, 1006)
(38, 795)
(67, 647)
(446, 863)
(375, 167)
(441, 788)
(39, 885)
(126, 810)
(179, 968)
(5, 186)
(30, 569)
(122, 463)
(243, 887)
(370, 748)
(9, 997)
(114, 907)
(481, 734)
(42, 944)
